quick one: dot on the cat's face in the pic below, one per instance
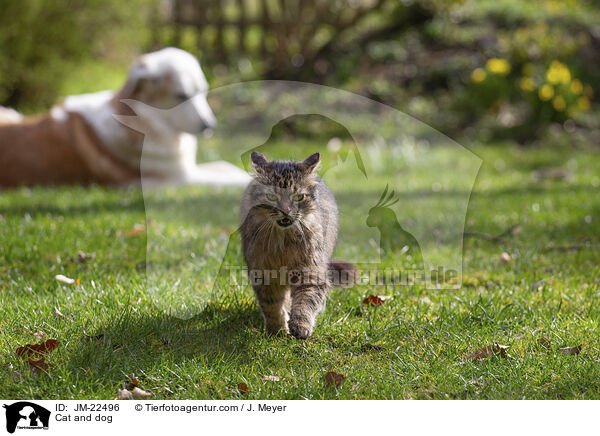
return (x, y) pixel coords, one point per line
(285, 193)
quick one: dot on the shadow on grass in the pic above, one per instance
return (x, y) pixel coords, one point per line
(222, 201)
(49, 207)
(220, 336)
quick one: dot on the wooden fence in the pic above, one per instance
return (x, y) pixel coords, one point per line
(287, 34)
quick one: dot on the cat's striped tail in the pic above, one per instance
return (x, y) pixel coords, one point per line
(342, 274)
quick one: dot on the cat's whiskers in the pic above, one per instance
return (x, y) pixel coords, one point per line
(302, 234)
(310, 231)
(256, 232)
(270, 237)
(260, 229)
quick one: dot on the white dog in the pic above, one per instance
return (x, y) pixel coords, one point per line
(96, 137)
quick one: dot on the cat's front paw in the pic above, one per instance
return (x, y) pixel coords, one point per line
(276, 329)
(300, 330)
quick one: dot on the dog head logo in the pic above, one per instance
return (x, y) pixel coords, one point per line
(26, 415)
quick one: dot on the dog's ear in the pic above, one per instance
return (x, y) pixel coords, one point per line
(311, 163)
(259, 162)
(139, 75)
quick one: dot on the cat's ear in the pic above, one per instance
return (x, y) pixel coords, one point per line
(311, 162)
(258, 161)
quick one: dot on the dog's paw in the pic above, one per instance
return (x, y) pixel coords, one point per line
(300, 330)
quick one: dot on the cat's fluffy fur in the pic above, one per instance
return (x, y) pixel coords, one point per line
(289, 227)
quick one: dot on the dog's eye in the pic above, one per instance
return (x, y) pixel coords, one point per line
(272, 197)
(298, 197)
(182, 97)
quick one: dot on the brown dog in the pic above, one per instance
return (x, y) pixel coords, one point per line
(46, 151)
(84, 141)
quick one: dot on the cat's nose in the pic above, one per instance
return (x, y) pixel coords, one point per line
(286, 209)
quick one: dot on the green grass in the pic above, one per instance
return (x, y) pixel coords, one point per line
(413, 346)
(94, 76)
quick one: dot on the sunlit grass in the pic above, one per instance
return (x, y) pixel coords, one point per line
(413, 346)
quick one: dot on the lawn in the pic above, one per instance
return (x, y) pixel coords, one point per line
(415, 345)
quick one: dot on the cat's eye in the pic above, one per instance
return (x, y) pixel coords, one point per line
(298, 197)
(272, 197)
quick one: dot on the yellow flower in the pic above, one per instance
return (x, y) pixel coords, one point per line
(583, 103)
(576, 87)
(527, 84)
(558, 73)
(546, 92)
(498, 66)
(559, 103)
(478, 75)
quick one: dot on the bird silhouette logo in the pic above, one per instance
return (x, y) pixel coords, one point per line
(394, 239)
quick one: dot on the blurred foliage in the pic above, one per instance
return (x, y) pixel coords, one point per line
(43, 41)
(474, 69)
(525, 66)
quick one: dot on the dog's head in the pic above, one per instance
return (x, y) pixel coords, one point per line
(171, 80)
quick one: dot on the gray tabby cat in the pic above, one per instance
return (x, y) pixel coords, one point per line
(289, 230)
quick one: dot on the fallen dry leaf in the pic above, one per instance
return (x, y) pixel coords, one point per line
(490, 350)
(58, 313)
(505, 258)
(43, 348)
(544, 342)
(243, 388)
(36, 355)
(137, 229)
(124, 394)
(37, 366)
(333, 378)
(270, 378)
(82, 257)
(376, 300)
(64, 279)
(132, 383)
(570, 350)
(139, 394)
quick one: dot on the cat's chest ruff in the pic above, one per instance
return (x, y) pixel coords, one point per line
(284, 248)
